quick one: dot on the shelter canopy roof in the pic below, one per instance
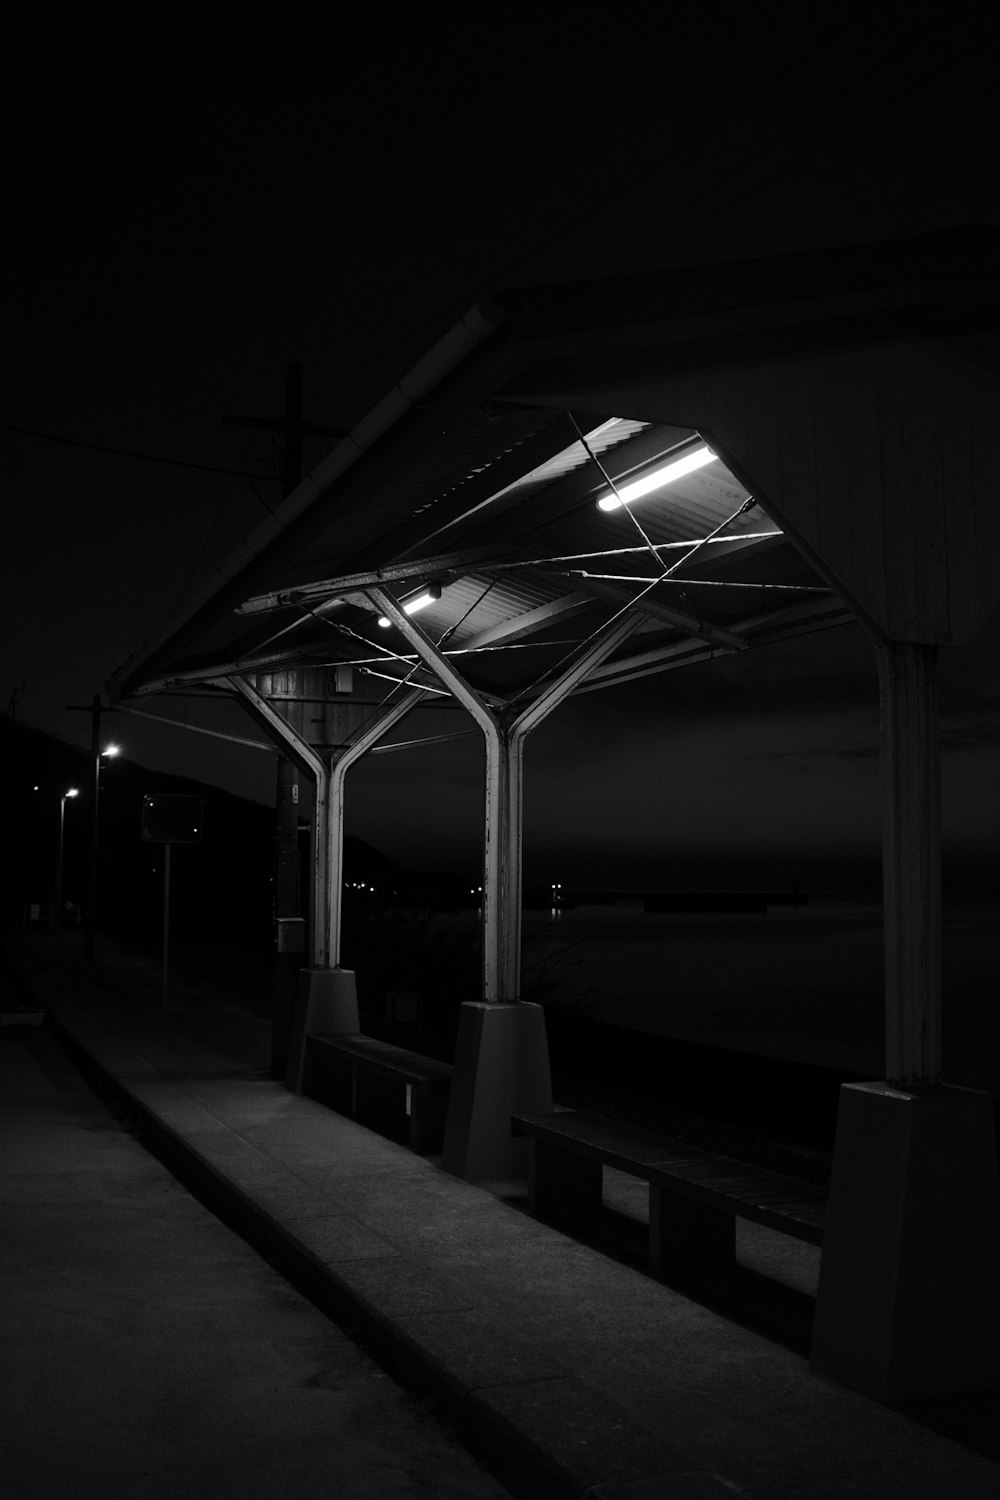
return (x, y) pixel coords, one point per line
(477, 479)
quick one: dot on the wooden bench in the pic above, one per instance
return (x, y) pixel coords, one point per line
(380, 1084)
(695, 1196)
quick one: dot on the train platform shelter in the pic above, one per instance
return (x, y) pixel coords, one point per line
(579, 485)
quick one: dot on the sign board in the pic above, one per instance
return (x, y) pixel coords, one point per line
(169, 818)
(290, 934)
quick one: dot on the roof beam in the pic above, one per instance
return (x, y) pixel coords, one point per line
(775, 625)
(620, 593)
(508, 631)
(426, 679)
(352, 583)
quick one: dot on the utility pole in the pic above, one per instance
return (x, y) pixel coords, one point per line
(287, 891)
(292, 425)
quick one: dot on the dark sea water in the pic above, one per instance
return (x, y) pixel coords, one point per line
(803, 983)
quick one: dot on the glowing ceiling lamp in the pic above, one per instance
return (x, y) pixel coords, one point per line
(430, 595)
(655, 479)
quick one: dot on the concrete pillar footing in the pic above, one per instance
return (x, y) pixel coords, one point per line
(501, 1068)
(326, 1004)
(909, 1299)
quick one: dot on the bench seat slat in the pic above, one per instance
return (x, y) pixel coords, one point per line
(765, 1186)
(388, 1058)
(635, 1148)
(631, 1149)
(369, 1080)
(688, 1173)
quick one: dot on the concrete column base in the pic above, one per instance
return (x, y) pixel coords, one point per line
(909, 1296)
(501, 1068)
(326, 1004)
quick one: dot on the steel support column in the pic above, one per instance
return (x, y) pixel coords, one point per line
(908, 1303)
(539, 709)
(334, 818)
(496, 774)
(300, 751)
(327, 998)
(501, 1055)
(911, 861)
(504, 736)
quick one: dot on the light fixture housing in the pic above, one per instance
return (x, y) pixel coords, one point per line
(420, 600)
(655, 479)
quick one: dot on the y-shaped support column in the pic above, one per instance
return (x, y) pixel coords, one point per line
(286, 1030)
(333, 831)
(327, 998)
(501, 1057)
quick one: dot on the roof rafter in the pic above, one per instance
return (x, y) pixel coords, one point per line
(508, 631)
(618, 593)
(351, 583)
(774, 625)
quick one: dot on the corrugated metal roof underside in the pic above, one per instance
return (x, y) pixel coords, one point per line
(341, 528)
(559, 568)
(603, 439)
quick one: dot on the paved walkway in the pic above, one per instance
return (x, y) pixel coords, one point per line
(148, 1353)
(574, 1371)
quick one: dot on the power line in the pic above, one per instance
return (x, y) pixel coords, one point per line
(153, 458)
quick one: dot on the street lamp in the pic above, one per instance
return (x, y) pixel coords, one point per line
(90, 926)
(95, 708)
(57, 899)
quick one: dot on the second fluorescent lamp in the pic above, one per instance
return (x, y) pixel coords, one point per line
(655, 479)
(429, 595)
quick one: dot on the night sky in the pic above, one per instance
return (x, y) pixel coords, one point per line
(194, 202)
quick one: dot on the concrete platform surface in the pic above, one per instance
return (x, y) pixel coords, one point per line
(148, 1353)
(569, 1369)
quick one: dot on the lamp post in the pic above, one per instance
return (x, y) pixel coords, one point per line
(109, 751)
(57, 898)
(95, 708)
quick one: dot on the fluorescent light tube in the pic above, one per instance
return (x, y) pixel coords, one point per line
(419, 601)
(655, 479)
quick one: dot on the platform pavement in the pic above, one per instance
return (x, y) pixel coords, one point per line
(575, 1374)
